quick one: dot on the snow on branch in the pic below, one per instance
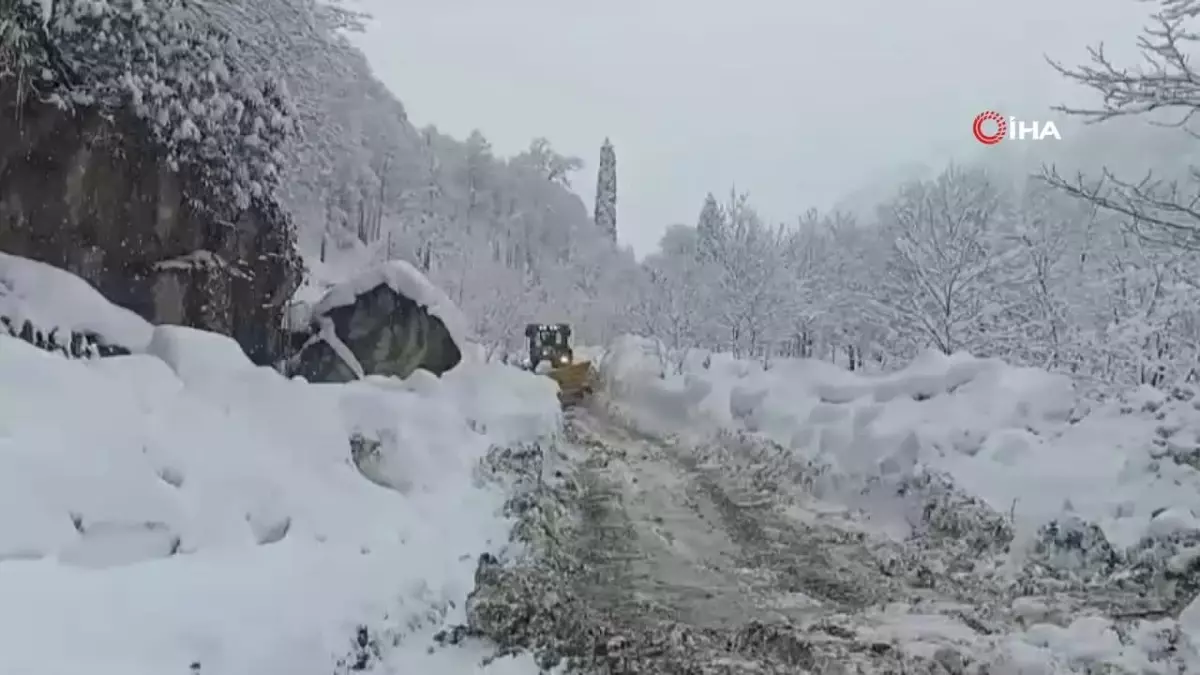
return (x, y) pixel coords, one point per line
(202, 74)
(1166, 81)
(1160, 211)
(943, 269)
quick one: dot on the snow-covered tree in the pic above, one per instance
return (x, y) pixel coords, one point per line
(938, 287)
(752, 281)
(736, 267)
(606, 191)
(671, 295)
(205, 77)
(710, 226)
(1142, 278)
(476, 165)
(554, 167)
(1165, 86)
(834, 263)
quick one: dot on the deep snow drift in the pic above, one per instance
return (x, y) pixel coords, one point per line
(181, 508)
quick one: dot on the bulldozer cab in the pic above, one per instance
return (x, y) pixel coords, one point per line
(549, 343)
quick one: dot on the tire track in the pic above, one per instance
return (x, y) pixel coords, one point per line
(759, 561)
(722, 559)
(645, 527)
(828, 566)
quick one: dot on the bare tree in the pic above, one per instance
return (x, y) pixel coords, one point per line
(937, 285)
(542, 158)
(666, 309)
(1166, 83)
(751, 280)
(1049, 227)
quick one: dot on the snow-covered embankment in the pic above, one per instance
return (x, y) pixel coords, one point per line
(181, 508)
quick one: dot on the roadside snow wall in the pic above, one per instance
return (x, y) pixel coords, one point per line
(1020, 438)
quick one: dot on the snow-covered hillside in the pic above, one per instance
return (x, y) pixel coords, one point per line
(180, 507)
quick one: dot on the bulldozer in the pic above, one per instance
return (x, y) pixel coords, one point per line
(551, 343)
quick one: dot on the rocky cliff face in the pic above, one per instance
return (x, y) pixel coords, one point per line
(90, 193)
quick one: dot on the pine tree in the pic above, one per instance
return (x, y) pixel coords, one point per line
(606, 191)
(709, 228)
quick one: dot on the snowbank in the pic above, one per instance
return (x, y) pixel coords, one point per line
(182, 506)
(50, 298)
(1006, 434)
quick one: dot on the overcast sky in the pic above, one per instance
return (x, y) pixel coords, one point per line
(796, 102)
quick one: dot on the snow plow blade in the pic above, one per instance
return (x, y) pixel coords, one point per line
(575, 382)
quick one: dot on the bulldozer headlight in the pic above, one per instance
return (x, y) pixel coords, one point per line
(562, 359)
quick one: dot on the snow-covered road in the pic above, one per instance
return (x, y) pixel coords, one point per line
(722, 558)
(647, 525)
(674, 544)
(712, 551)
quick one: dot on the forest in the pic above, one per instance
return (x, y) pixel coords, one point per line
(1080, 261)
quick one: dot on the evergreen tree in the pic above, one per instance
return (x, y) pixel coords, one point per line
(709, 228)
(606, 191)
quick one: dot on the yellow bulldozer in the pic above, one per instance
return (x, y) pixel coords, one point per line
(551, 343)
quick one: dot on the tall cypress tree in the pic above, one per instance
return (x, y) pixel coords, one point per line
(606, 191)
(710, 228)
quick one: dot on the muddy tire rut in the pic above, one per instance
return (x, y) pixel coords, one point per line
(636, 555)
(720, 555)
(652, 562)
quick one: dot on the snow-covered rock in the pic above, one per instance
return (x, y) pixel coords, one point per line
(387, 320)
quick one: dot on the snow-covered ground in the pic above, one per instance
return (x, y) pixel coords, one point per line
(181, 508)
(1018, 439)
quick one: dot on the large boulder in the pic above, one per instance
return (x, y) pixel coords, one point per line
(389, 320)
